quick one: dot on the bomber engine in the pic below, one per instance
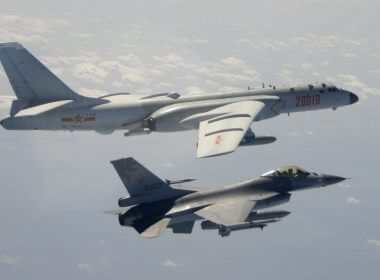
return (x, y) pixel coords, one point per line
(251, 139)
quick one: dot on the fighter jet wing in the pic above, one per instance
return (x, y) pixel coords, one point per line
(222, 134)
(227, 213)
(151, 227)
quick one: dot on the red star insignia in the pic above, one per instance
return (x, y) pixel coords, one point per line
(218, 139)
(78, 118)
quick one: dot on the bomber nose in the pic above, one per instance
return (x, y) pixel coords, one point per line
(353, 98)
(5, 123)
(332, 179)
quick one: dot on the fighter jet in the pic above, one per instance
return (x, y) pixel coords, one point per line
(154, 204)
(223, 119)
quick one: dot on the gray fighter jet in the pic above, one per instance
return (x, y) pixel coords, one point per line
(45, 103)
(155, 205)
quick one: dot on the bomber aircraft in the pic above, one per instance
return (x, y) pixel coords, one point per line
(44, 102)
(154, 205)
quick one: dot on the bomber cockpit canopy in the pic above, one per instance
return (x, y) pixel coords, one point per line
(287, 171)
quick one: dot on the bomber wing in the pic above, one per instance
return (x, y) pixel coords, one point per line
(223, 133)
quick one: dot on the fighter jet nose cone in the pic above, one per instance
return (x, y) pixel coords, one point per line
(353, 98)
(332, 179)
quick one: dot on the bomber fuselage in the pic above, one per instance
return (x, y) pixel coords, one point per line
(168, 112)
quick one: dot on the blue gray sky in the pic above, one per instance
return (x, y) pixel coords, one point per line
(55, 186)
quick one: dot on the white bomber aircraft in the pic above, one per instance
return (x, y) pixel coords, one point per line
(44, 102)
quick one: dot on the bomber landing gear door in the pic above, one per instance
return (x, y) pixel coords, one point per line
(278, 106)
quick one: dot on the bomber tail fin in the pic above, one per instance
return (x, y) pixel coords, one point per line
(31, 81)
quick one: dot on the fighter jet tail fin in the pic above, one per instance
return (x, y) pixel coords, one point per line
(31, 81)
(137, 179)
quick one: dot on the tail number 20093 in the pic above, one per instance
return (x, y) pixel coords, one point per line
(308, 100)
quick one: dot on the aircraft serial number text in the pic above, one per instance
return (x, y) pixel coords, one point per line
(307, 100)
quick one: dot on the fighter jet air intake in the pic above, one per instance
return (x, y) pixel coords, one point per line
(155, 205)
(224, 120)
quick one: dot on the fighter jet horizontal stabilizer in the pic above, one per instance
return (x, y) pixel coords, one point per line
(174, 182)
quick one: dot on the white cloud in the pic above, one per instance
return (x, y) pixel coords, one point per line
(374, 242)
(85, 57)
(6, 101)
(91, 92)
(131, 59)
(117, 84)
(200, 41)
(232, 61)
(193, 90)
(307, 66)
(344, 185)
(10, 34)
(35, 24)
(354, 83)
(349, 55)
(12, 260)
(128, 74)
(165, 86)
(302, 133)
(27, 29)
(82, 35)
(187, 41)
(84, 266)
(229, 89)
(324, 41)
(326, 63)
(171, 60)
(57, 70)
(169, 264)
(353, 200)
(232, 77)
(286, 76)
(267, 43)
(90, 72)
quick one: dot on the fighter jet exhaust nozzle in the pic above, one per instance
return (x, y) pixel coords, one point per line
(122, 220)
(332, 179)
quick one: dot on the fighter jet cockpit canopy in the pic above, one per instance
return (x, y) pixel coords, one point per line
(287, 171)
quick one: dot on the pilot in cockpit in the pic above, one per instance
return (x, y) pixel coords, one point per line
(287, 171)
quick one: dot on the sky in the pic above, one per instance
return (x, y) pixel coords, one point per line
(55, 186)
